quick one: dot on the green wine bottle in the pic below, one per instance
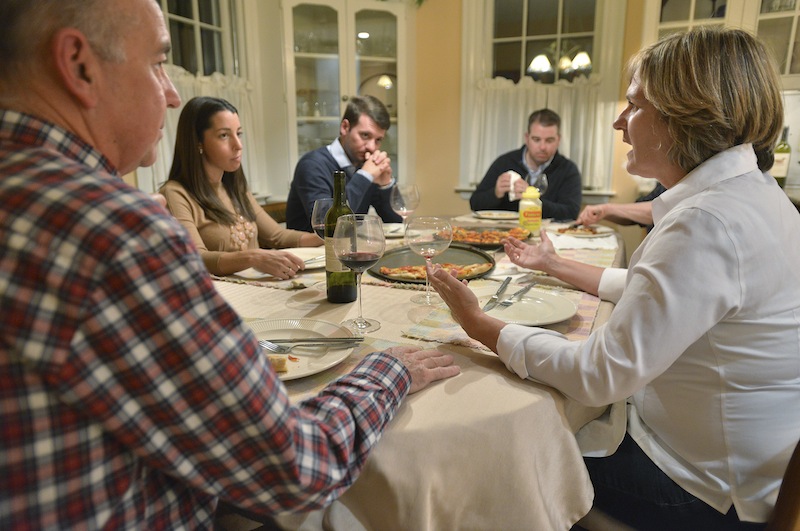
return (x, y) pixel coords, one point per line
(783, 154)
(340, 280)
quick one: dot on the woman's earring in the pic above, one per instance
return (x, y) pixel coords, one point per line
(201, 150)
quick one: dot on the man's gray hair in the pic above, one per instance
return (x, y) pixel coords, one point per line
(27, 25)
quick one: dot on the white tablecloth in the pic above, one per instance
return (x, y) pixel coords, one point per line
(483, 450)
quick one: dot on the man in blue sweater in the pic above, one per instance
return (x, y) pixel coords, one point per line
(539, 164)
(357, 152)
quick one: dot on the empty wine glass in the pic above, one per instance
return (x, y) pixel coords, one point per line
(404, 199)
(541, 183)
(358, 243)
(318, 213)
(428, 237)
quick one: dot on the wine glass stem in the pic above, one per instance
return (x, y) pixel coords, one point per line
(360, 320)
(427, 283)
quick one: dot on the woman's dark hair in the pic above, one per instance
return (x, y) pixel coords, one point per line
(187, 163)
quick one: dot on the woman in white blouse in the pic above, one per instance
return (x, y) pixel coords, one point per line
(704, 336)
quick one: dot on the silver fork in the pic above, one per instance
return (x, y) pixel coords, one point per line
(517, 295)
(283, 349)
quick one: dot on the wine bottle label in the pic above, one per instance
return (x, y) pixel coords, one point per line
(332, 263)
(780, 168)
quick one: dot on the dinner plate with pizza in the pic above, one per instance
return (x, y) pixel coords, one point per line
(403, 265)
(580, 231)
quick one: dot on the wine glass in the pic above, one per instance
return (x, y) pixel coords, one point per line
(318, 213)
(427, 237)
(404, 199)
(358, 243)
(541, 183)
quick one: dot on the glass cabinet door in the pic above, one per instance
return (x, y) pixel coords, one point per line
(335, 49)
(315, 34)
(777, 27)
(376, 67)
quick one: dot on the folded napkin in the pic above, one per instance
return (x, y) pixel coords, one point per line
(565, 241)
(301, 281)
(440, 327)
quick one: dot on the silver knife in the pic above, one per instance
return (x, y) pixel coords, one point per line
(517, 295)
(496, 297)
(353, 339)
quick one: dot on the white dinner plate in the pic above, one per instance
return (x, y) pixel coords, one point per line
(315, 255)
(393, 230)
(602, 231)
(537, 307)
(310, 360)
(496, 214)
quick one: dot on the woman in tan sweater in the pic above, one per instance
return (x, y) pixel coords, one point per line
(207, 193)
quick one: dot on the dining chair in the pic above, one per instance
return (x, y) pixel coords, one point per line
(786, 515)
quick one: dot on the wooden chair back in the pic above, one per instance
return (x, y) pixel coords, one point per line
(786, 516)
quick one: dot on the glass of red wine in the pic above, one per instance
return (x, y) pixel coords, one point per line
(318, 213)
(358, 243)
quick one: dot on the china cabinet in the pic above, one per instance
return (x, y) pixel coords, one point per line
(774, 21)
(335, 49)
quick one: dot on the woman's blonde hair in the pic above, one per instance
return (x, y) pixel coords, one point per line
(715, 88)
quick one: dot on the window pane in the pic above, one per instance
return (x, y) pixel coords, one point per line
(575, 58)
(209, 12)
(543, 17)
(507, 18)
(709, 9)
(315, 29)
(506, 61)
(578, 16)
(183, 49)
(675, 10)
(181, 8)
(211, 42)
(794, 66)
(540, 60)
(775, 34)
(775, 6)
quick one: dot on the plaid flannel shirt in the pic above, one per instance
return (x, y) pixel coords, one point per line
(131, 395)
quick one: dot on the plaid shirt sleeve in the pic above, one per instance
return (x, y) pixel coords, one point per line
(132, 393)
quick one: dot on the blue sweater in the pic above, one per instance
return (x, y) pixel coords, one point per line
(313, 179)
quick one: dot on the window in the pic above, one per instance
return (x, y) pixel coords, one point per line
(495, 108)
(547, 40)
(201, 33)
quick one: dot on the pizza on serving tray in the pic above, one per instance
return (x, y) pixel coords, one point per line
(417, 272)
(488, 236)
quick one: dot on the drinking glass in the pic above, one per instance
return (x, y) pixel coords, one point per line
(318, 213)
(358, 243)
(404, 199)
(428, 237)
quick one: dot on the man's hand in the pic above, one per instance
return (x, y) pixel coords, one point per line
(504, 186)
(379, 165)
(425, 366)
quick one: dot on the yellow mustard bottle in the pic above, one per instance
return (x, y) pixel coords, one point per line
(530, 210)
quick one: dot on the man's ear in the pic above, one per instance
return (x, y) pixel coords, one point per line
(76, 64)
(344, 127)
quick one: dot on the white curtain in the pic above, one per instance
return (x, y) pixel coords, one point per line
(236, 90)
(500, 118)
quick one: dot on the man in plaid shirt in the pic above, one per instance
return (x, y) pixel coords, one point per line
(131, 395)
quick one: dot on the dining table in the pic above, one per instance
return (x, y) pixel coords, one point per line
(482, 450)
